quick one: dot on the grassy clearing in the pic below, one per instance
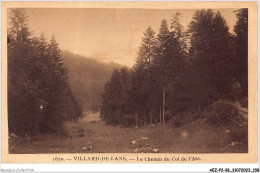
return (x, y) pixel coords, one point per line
(195, 137)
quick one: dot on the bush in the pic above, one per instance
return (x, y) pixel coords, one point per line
(81, 135)
(244, 102)
(239, 130)
(184, 118)
(220, 113)
(62, 132)
(80, 130)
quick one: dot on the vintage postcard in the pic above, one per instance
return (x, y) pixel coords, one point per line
(129, 82)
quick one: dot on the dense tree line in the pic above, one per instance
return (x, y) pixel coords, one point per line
(39, 94)
(179, 70)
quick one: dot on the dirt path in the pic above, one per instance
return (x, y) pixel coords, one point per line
(92, 135)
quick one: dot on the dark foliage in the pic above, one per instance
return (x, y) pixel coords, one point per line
(239, 132)
(240, 47)
(39, 95)
(184, 118)
(178, 71)
(221, 113)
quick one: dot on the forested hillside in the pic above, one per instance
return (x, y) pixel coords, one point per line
(180, 71)
(87, 78)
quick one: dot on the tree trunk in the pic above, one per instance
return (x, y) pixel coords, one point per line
(151, 118)
(145, 120)
(163, 108)
(160, 115)
(136, 119)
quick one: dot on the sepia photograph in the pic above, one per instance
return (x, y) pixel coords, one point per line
(128, 80)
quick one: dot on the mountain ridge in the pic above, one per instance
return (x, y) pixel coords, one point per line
(87, 77)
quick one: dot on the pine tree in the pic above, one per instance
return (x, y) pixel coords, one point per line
(241, 49)
(163, 59)
(212, 55)
(110, 108)
(18, 31)
(178, 30)
(177, 65)
(126, 107)
(22, 93)
(61, 102)
(106, 102)
(222, 59)
(146, 56)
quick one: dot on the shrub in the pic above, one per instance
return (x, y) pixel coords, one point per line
(62, 132)
(80, 130)
(220, 112)
(239, 130)
(177, 121)
(81, 135)
(184, 118)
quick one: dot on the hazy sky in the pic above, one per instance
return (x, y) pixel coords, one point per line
(105, 34)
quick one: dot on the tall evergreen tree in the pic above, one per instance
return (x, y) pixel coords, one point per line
(110, 108)
(211, 50)
(22, 93)
(143, 73)
(163, 58)
(18, 30)
(179, 34)
(125, 104)
(177, 66)
(241, 49)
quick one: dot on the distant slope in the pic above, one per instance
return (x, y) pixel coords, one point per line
(87, 78)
